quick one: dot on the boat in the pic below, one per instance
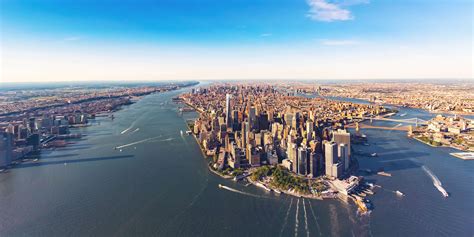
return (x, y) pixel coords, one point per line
(384, 174)
(181, 132)
(276, 191)
(374, 154)
(402, 115)
(35, 160)
(120, 150)
(361, 204)
(220, 185)
(441, 189)
(188, 132)
(399, 193)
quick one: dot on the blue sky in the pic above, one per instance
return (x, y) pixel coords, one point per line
(260, 39)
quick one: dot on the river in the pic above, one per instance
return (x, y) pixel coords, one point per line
(159, 184)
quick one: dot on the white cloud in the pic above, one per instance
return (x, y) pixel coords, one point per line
(323, 10)
(339, 42)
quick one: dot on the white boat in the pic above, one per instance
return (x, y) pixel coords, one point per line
(220, 185)
(399, 193)
(276, 191)
(373, 155)
(442, 190)
(181, 132)
(35, 160)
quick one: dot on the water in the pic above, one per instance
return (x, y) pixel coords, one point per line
(159, 185)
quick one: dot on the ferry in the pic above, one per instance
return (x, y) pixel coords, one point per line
(399, 193)
(384, 174)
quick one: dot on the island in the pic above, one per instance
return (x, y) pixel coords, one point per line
(270, 136)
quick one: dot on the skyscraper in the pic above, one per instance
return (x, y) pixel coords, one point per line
(342, 137)
(228, 116)
(252, 118)
(344, 156)
(302, 160)
(6, 146)
(330, 149)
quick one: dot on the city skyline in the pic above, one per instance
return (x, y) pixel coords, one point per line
(316, 39)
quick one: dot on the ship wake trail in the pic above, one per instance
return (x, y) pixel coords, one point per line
(137, 142)
(128, 129)
(134, 131)
(305, 219)
(296, 217)
(286, 217)
(436, 181)
(315, 219)
(238, 191)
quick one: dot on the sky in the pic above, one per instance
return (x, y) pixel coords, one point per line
(128, 40)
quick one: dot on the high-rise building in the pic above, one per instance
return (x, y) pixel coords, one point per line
(252, 118)
(6, 148)
(313, 164)
(302, 160)
(342, 137)
(330, 150)
(344, 156)
(228, 112)
(244, 133)
(337, 170)
(309, 130)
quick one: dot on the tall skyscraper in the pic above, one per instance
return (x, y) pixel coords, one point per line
(342, 137)
(302, 160)
(252, 118)
(244, 133)
(344, 156)
(6, 148)
(228, 112)
(330, 149)
(309, 130)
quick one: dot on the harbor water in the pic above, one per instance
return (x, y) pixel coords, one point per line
(157, 184)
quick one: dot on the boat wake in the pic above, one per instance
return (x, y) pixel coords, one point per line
(286, 217)
(315, 219)
(436, 181)
(296, 217)
(238, 191)
(134, 131)
(127, 129)
(305, 219)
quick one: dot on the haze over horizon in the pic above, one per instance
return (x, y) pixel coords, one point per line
(50, 41)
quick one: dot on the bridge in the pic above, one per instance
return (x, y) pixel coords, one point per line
(365, 126)
(415, 121)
